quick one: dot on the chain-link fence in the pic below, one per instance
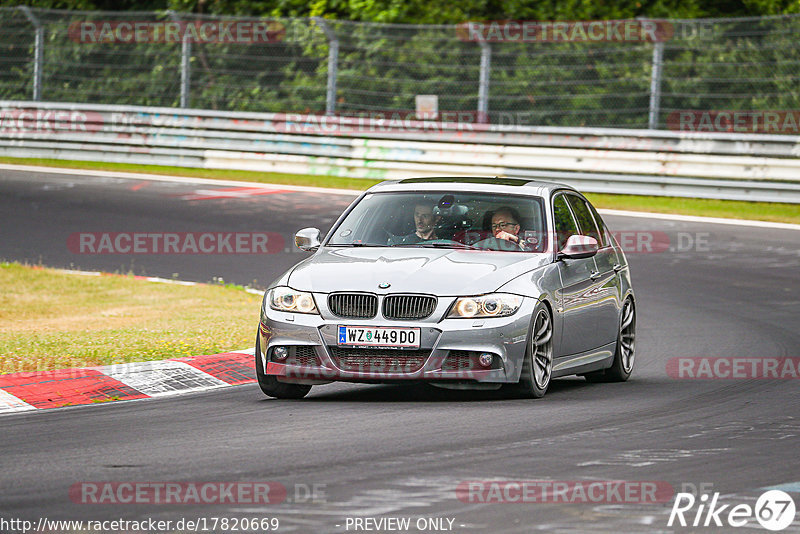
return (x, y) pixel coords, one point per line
(578, 74)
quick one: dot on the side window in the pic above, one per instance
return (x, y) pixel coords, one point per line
(585, 220)
(604, 232)
(564, 221)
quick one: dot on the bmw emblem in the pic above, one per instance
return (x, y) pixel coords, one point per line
(384, 285)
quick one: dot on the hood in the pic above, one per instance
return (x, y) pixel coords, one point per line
(443, 272)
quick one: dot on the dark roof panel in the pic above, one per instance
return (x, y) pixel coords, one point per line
(466, 180)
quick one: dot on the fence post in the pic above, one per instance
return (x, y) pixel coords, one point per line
(333, 65)
(186, 55)
(655, 84)
(483, 82)
(38, 52)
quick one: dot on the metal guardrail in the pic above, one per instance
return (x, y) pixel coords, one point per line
(704, 165)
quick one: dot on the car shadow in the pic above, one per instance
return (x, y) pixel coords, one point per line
(427, 393)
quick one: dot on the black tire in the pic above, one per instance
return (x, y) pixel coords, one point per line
(270, 385)
(624, 352)
(537, 366)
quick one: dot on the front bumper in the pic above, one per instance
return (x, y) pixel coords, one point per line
(448, 348)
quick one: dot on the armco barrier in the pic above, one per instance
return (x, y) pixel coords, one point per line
(704, 165)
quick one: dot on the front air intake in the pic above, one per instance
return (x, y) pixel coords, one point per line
(408, 307)
(353, 305)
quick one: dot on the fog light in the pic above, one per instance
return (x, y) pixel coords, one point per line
(280, 353)
(485, 359)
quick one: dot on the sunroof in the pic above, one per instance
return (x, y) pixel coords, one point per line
(463, 180)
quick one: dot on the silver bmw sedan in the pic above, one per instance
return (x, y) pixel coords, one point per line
(464, 283)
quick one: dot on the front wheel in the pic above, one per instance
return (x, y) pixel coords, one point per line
(537, 367)
(271, 387)
(622, 367)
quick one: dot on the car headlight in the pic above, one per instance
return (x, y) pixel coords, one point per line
(289, 300)
(493, 305)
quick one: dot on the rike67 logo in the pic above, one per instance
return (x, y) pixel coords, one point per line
(774, 510)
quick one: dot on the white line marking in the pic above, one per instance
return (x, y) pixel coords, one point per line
(791, 487)
(80, 273)
(10, 403)
(208, 181)
(159, 378)
(155, 279)
(693, 218)
(250, 352)
(170, 281)
(175, 179)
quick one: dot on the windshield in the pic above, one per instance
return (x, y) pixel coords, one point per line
(479, 221)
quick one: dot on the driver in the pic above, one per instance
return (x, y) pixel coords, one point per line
(424, 223)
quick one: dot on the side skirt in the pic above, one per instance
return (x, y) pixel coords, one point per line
(585, 362)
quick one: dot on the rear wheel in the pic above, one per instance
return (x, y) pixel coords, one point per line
(270, 385)
(624, 354)
(537, 367)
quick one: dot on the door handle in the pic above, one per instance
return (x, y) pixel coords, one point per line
(617, 267)
(595, 275)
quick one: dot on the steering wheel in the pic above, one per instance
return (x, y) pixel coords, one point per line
(493, 243)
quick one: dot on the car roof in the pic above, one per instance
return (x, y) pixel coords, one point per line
(482, 184)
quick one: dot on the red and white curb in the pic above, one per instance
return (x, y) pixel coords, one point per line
(71, 387)
(139, 380)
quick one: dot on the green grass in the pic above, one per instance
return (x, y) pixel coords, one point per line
(762, 211)
(53, 320)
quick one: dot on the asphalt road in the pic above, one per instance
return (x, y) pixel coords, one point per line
(401, 451)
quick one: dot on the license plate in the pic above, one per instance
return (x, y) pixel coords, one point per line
(363, 336)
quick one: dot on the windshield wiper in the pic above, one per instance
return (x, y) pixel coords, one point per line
(356, 245)
(436, 245)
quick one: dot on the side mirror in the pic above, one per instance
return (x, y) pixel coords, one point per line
(307, 239)
(579, 246)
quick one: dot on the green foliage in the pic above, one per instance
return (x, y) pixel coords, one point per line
(733, 64)
(426, 12)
